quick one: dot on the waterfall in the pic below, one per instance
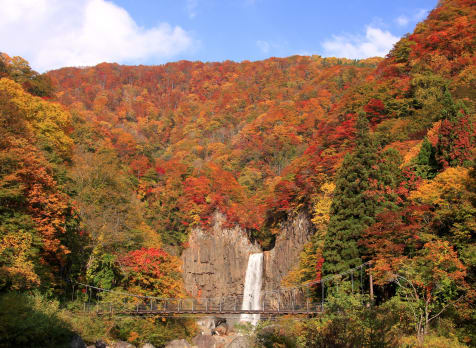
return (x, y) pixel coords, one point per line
(253, 283)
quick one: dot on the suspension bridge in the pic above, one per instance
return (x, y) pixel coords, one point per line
(282, 301)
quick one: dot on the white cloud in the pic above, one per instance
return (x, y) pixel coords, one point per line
(192, 8)
(264, 46)
(55, 33)
(376, 42)
(420, 15)
(402, 20)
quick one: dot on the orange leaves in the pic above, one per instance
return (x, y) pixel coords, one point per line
(443, 261)
(151, 271)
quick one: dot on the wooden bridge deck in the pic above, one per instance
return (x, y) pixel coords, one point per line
(149, 312)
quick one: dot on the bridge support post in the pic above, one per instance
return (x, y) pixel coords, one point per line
(322, 293)
(235, 304)
(371, 284)
(206, 305)
(361, 281)
(193, 306)
(352, 279)
(292, 301)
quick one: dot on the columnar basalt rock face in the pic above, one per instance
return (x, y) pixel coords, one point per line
(294, 234)
(214, 264)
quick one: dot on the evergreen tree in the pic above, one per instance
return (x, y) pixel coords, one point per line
(425, 163)
(352, 208)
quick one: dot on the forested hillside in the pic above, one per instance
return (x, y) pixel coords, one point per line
(105, 170)
(197, 137)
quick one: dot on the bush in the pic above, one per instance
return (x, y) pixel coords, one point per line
(31, 320)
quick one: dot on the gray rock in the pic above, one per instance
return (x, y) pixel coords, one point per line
(204, 341)
(222, 329)
(215, 262)
(122, 344)
(178, 344)
(240, 342)
(294, 234)
(148, 345)
(77, 342)
(206, 325)
(100, 344)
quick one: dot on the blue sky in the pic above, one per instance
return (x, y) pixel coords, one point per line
(55, 33)
(247, 29)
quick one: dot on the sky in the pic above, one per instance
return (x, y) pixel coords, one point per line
(55, 33)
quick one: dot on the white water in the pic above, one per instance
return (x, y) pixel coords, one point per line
(253, 283)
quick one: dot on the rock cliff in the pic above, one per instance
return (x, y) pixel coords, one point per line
(214, 264)
(294, 234)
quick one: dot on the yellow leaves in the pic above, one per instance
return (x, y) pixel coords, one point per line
(445, 187)
(46, 120)
(322, 206)
(411, 154)
(18, 271)
(151, 238)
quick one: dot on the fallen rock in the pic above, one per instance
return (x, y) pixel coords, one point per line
(178, 344)
(206, 325)
(222, 329)
(122, 344)
(77, 342)
(148, 345)
(204, 341)
(240, 342)
(100, 344)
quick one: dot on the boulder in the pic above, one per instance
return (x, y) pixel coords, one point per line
(100, 344)
(206, 325)
(178, 344)
(77, 342)
(148, 345)
(240, 342)
(204, 341)
(222, 329)
(122, 344)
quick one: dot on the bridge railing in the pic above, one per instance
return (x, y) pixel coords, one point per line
(284, 300)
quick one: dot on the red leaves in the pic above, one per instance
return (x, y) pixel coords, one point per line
(145, 260)
(319, 264)
(375, 110)
(152, 271)
(454, 141)
(395, 233)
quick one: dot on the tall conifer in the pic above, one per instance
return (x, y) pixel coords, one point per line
(352, 209)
